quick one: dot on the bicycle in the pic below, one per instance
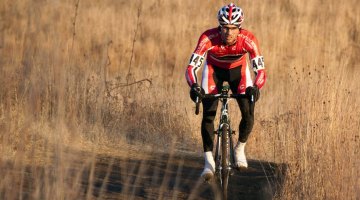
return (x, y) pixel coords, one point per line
(224, 159)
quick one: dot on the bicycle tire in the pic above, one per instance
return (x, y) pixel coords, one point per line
(224, 160)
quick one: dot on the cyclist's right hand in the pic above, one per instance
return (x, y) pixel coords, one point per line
(196, 91)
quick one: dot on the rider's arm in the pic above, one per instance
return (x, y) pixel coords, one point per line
(197, 58)
(257, 60)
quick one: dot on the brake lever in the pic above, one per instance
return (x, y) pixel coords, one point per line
(197, 105)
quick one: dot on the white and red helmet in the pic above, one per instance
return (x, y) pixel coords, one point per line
(230, 14)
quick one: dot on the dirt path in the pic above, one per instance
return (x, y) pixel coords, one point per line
(151, 176)
(177, 176)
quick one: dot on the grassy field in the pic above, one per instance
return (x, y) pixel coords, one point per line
(96, 76)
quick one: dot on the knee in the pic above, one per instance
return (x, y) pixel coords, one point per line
(208, 117)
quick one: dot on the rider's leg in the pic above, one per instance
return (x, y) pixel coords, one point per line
(245, 127)
(240, 81)
(209, 84)
(207, 133)
(207, 123)
(247, 118)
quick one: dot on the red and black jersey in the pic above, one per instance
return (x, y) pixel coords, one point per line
(226, 56)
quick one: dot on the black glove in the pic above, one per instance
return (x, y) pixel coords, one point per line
(196, 91)
(253, 93)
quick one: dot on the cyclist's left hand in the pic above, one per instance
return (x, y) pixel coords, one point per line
(253, 92)
(195, 91)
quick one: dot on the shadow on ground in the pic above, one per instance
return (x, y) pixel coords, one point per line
(155, 176)
(177, 176)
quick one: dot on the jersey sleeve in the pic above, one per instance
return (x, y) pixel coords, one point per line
(256, 59)
(197, 59)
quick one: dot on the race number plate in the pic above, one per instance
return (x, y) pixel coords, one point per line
(196, 60)
(258, 63)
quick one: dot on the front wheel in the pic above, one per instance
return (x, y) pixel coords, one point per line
(225, 159)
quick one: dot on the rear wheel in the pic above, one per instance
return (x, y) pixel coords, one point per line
(225, 159)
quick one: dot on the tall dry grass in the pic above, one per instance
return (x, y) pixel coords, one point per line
(92, 74)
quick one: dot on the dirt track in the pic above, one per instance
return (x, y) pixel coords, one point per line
(164, 176)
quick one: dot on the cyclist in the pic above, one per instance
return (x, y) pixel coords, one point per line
(223, 50)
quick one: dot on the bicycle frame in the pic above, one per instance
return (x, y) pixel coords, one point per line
(224, 153)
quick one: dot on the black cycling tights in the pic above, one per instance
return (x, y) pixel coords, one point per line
(207, 124)
(233, 77)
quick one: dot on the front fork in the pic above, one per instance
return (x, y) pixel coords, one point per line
(218, 167)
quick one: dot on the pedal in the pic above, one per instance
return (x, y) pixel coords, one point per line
(231, 172)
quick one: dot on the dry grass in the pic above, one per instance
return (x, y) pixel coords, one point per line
(68, 69)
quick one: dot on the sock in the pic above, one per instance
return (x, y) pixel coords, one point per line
(209, 160)
(240, 147)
